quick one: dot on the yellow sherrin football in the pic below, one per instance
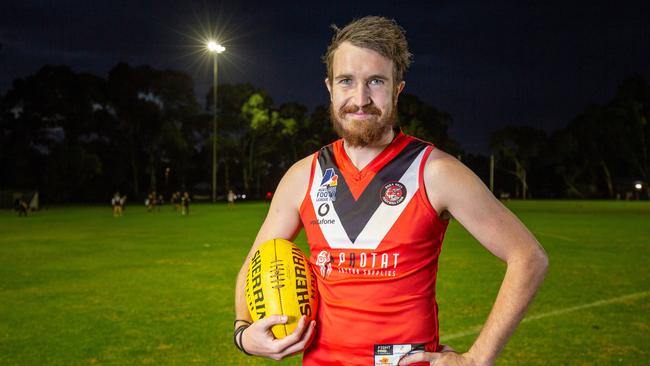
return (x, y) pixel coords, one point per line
(280, 281)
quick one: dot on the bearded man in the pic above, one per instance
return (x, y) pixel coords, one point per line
(375, 207)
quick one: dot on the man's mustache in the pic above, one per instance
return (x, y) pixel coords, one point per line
(368, 109)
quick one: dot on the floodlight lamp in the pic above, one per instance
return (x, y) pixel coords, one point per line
(215, 47)
(638, 186)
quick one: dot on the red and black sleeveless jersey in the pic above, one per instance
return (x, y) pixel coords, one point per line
(375, 241)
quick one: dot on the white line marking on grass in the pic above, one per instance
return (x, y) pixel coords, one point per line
(477, 329)
(556, 236)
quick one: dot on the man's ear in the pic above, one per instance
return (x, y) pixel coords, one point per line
(329, 86)
(400, 87)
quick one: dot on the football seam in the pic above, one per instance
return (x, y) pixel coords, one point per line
(279, 289)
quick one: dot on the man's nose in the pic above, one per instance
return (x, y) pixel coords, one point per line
(362, 95)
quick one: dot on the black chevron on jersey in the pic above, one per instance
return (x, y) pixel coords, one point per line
(355, 214)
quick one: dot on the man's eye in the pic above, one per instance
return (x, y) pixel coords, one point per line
(376, 82)
(345, 81)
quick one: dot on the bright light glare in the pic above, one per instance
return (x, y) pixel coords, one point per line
(215, 47)
(638, 186)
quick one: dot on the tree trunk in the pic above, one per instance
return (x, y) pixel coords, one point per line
(608, 178)
(152, 173)
(216, 174)
(520, 173)
(524, 183)
(245, 178)
(517, 190)
(571, 189)
(249, 177)
(134, 169)
(243, 162)
(227, 175)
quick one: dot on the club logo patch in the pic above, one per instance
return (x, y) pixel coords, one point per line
(327, 189)
(393, 193)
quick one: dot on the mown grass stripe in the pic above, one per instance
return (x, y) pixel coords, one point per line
(477, 329)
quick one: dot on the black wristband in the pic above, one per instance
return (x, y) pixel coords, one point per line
(238, 340)
(234, 337)
(241, 341)
(234, 324)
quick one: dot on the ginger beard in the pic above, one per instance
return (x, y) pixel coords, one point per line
(363, 132)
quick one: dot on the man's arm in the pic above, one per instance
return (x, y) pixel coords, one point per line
(454, 189)
(282, 221)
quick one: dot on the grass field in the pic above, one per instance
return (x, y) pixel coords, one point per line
(79, 287)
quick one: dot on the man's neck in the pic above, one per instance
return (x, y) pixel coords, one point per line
(361, 156)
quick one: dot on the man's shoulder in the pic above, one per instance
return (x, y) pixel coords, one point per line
(447, 180)
(443, 169)
(302, 166)
(439, 159)
(299, 173)
(294, 182)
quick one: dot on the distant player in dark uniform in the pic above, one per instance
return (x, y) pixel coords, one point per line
(151, 202)
(177, 205)
(122, 204)
(173, 201)
(160, 202)
(22, 207)
(185, 204)
(375, 207)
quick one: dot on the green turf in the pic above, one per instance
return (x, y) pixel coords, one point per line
(79, 287)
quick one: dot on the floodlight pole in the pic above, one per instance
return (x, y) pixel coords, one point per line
(215, 48)
(214, 128)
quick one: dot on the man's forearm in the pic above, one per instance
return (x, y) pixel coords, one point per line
(241, 310)
(521, 281)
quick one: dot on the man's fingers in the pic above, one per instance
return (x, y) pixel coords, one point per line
(419, 357)
(300, 345)
(272, 320)
(294, 337)
(258, 338)
(277, 349)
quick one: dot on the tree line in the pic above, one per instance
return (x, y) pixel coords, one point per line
(79, 137)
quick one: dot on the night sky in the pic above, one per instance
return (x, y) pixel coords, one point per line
(487, 64)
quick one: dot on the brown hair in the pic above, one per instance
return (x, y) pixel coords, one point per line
(379, 34)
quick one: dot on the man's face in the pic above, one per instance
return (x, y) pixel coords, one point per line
(363, 94)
